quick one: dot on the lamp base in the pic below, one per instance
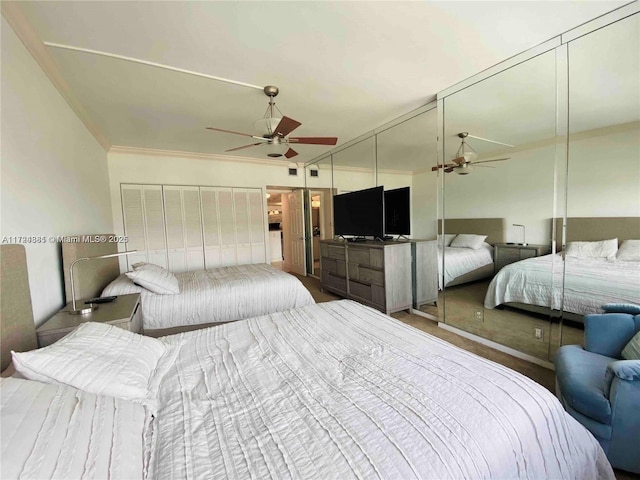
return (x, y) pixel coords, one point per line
(84, 310)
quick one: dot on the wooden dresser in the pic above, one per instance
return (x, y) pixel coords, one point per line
(377, 274)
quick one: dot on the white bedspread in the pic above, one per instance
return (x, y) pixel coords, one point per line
(589, 283)
(459, 261)
(51, 431)
(338, 390)
(218, 295)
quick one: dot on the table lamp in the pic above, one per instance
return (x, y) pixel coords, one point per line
(89, 307)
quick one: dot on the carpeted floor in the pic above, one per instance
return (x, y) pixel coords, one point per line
(537, 373)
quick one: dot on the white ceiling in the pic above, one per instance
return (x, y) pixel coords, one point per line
(343, 68)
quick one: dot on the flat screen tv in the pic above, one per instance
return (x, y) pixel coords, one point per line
(359, 213)
(397, 211)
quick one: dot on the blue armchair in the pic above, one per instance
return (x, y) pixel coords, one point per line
(602, 391)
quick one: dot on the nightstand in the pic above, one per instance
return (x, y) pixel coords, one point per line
(506, 253)
(124, 312)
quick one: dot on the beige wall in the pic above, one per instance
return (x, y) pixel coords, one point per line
(54, 174)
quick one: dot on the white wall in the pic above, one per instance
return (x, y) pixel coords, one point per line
(424, 203)
(603, 181)
(209, 171)
(604, 173)
(54, 178)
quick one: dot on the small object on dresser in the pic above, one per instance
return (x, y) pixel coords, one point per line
(101, 299)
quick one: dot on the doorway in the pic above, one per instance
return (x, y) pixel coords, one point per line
(286, 218)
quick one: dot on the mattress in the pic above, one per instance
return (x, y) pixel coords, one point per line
(459, 261)
(588, 283)
(339, 390)
(217, 295)
(54, 431)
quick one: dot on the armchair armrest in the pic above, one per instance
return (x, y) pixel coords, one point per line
(607, 334)
(628, 370)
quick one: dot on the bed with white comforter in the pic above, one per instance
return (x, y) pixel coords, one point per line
(55, 431)
(462, 261)
(588, 283)
(218, 295)
(339, 390)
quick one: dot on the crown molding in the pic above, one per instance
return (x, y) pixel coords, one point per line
(155, 152)
(13, 14)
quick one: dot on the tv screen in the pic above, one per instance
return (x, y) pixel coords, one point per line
(397, 211)
(359, 213)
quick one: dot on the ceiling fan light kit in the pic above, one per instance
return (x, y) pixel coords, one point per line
(277, 131)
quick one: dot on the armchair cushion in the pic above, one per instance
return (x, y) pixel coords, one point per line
(581, 376)
(607, 334)
(632, 350)
(628, 370)
(629, 308)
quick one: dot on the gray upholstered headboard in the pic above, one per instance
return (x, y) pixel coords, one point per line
(599, 228)
(17, 330)
(493, 228)
(91, 276)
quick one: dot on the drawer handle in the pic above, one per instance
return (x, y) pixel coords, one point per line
(136, 309)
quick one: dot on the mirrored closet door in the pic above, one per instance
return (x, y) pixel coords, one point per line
(603, 174)
(499, 171)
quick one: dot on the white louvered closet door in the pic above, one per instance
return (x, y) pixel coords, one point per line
(243, 231)
(193, 228)
(176, 249)
(256, 225)
(184, 228)
(210, 227)
(227, 226)
(133, 211)
(144, 223)
(154, 225)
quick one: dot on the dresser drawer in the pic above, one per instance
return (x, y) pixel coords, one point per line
(331, 281)
(372, 293)
(365, 274)
(337, 267)
(528, 253)
(360, 290)
(359, 256)
(334, 251)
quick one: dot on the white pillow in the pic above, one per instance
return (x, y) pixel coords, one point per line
(448, 238)
(629, 251)
(467, 240)
(122, 285)
(102, 359)
(601, 249)
(154, 278)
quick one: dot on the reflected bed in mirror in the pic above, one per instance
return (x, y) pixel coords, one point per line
(592, 275)
(463, 264)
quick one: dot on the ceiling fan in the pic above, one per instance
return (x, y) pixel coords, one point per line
(466, 155)
(278, 130)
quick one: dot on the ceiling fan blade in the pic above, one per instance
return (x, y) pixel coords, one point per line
(314, 140)
(290, 153)
(495, 160)
(231, 131)
(484, 166)
(459, 160)
(244, 146)
(491, 141)
(286, 126)
(449, 169)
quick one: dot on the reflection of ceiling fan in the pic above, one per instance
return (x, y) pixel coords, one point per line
(278, 129)
(466, 155)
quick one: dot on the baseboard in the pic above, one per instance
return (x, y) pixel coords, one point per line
(498, 346)
(420, 313)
